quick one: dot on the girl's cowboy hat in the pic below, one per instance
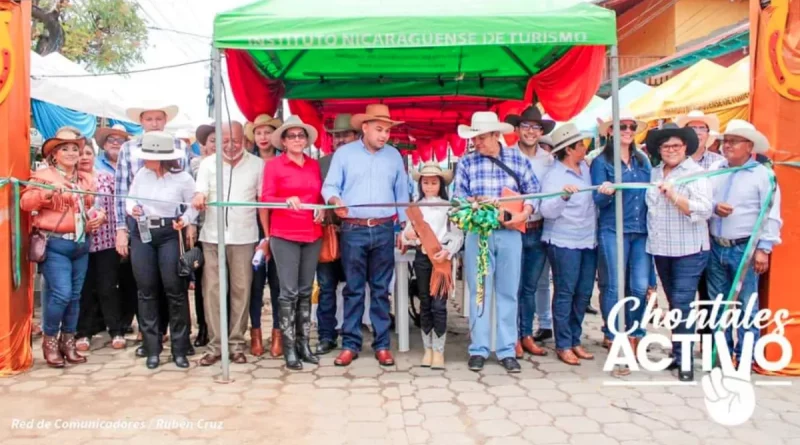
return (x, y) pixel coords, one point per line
(433, 169)
(711, 120)
(656, 136)
(564, 136)
(531, 114)
(484, 122)
(374, 112)
(292, 122)
(158, 146)
(102, 134)
(135, 113)
(744, 129)
(61, 138)
(262, 120)
(624, 115)
(342, 124)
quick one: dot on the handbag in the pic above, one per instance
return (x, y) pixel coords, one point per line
(330, 244)
(37, 242)
(190, 260)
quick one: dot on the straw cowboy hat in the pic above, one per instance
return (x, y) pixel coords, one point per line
(203, 132)
(744, 129)
(292, 122)
(158, 146)
(531, 114)
(624, 115)
(262, 120)
(135, 113)
(374, 112)
(564, 136)
(484, 122)
(63, 136)
(342, 124)
(102, 134)
(711, 120)
(546, 140)
(656, 136)
(433, 169)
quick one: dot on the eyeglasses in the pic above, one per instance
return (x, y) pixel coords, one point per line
(529, 126)
(293, 136)
(626, 127)
(733, 141)
(671, 147)
(115, 140)
(699, 129)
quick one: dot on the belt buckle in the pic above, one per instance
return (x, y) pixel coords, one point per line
(369, 223)
(724, 242)
(154, 223)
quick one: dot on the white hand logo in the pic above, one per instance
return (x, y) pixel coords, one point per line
(730, 398)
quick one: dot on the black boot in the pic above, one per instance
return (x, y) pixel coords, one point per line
(304, 331)
(287, 320)
(202, 336)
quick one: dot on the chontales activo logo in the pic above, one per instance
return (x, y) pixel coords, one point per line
(729, 390)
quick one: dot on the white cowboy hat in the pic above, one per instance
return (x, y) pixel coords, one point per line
(158, 146)
(624, 115)
(433, 169)
(484, 122)
(293, 122)
(711, 120)
(564, 136)
(546, 140)
(744, 129)
(135, 113)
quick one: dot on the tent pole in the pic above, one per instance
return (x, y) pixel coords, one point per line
(614, 64)
(221, 257)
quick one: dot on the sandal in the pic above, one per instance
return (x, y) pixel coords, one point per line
(83, 344)
(118, 342)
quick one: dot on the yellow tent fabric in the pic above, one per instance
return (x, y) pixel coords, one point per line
(680, 88)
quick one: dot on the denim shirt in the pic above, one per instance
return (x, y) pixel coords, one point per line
(634, 209)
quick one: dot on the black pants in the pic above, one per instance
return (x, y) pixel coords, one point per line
(100, 296)
(262, 275)
(159, 258)
(199, 306)
(128, 292)
(432, 311)
(702, 291)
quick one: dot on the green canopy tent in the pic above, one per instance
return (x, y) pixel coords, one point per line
(352, 49)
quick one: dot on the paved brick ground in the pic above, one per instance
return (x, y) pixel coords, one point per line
(548, 403)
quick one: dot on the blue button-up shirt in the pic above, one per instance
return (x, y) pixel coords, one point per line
(633, 203)
(477, 176)
(358, 176)
(103, 164)
(569, 224)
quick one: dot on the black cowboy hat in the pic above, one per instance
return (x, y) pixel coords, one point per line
(656, 137)
(531, 114)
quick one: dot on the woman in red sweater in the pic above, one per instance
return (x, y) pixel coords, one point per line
(295, 234)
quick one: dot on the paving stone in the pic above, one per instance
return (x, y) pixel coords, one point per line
(439, 409)
(413, 418)
(478, 413)
(365, 372)
(497, 428)
(368, 400)
(592, 439)
(507, 391)
(366, 430)
(475, 398)
(547, 395)
(625, 431)
(444, 425)
(498, 380)
(435, 395)
(671, 437)
(451, 439)
(462, 376)
(332, 382)
(531, 418)
(395, 422)
(365, 414)
(430, 382)
(417, 435)
(330, 371)
(576, 424)
(590, 400)
(465, 386)
(664, 399)
(545, 435)
(536, 384)
(608, 415)
(507, 441)
(517, 403)
(409, 403)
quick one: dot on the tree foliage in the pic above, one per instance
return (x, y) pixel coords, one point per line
(104, 35)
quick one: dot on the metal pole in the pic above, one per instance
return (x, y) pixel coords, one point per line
(221, 257)
(614, 62)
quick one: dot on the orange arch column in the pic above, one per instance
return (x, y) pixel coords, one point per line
(16, 304)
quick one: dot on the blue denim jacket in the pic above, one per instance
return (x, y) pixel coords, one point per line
(633, 204)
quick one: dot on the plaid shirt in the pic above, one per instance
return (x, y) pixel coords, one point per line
(670, 233)
(104, 237)
(127, 168)
(478, 176)
(708, 160)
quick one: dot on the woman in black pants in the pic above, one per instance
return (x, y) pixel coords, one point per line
(154, 229)
(265, 273)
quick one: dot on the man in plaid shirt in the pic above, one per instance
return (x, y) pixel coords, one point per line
(483, 174)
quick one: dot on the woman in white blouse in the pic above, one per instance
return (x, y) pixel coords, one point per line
(433, 182)
(677, 227)
(153, 205)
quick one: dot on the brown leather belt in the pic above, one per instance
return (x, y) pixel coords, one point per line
(367, 222)
(534, 225)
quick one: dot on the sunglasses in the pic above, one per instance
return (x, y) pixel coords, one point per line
(293, 136)
(114, 140)
(626, 127)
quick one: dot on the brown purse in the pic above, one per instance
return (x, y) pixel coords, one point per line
(330, 244)
(37, 242)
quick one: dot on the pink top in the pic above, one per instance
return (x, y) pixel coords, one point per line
(105, 236)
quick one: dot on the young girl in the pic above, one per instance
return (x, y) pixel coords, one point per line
(433, 183)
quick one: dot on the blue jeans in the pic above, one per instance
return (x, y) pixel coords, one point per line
(367, 257)
(721, 269)
(64, 271)
(534, 258)
(652, 282)
(637, 273)
(573, 278)
(329, 275)
(501, 283)
(680, 276)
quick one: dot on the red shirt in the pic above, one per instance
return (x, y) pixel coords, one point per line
(284, 178)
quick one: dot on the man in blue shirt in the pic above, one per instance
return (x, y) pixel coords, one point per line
(109, 140)
(367, 171)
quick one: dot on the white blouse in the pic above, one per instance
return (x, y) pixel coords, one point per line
(450, 237)
(173, 188)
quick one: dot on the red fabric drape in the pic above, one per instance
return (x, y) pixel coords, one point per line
(309, 114)
(425, 150)
(254, 93)
(567, 86)
(458, 145)
(440, 149)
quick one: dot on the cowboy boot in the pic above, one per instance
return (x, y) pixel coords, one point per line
(287, 314)
(256, 342)
(427, 359)
(202, 336)
(276, 346)
(67, 348)
(304, 331)
(437, 344)
(51, 353)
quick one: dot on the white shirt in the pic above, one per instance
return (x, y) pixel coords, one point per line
(541, 162)
(245, 186)
(173, 187)
(745, 190)
(450, 237)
